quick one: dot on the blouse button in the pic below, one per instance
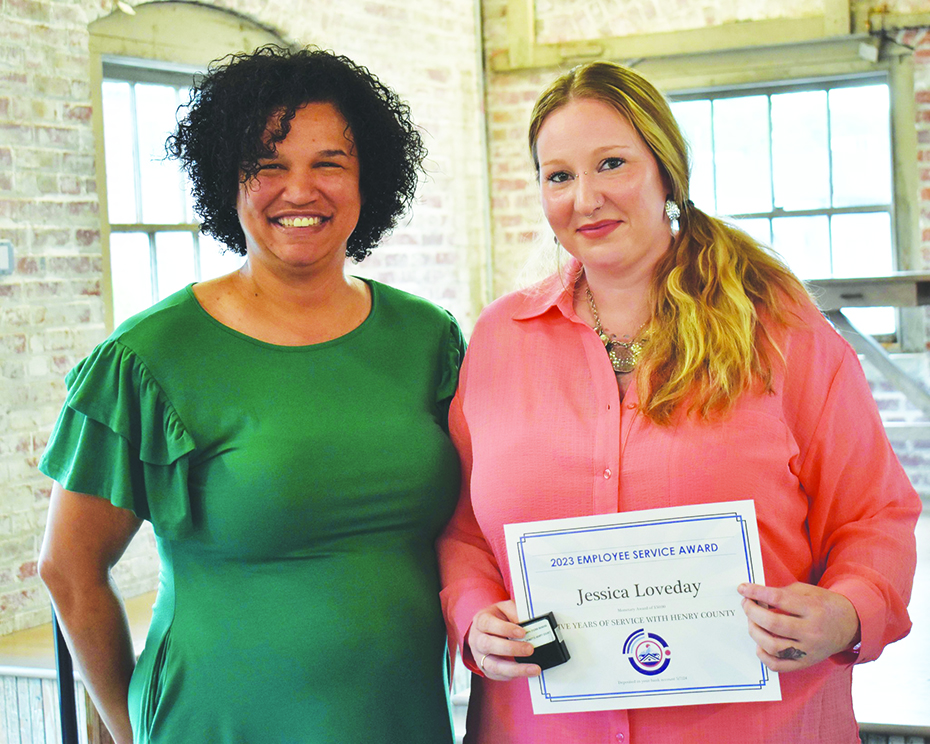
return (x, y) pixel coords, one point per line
(620, 737)
(607, 473)
(631, 406)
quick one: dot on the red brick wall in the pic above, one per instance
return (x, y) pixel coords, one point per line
(51, 308)
(520, 235)
(920, 40)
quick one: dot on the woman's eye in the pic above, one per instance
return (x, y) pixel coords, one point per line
(558, 177)
(269, 166)
(612, 163)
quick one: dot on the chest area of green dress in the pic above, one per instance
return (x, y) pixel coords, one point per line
(301, 454)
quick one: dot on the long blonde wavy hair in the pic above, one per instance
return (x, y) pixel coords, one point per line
(707, 346)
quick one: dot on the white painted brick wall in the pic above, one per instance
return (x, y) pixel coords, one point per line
(51, 309)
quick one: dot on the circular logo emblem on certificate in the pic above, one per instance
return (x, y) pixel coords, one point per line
(648, 653)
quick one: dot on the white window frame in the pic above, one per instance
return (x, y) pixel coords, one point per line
(164, 38)
(788, 64)
(132, 72)
(825, 85)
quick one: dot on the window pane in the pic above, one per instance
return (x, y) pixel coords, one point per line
(117, 145)
(214, 261)
(759, 228)
(875, 321)
(741, 144)
(862, 244)
(162, 189)
(694, 118)
(174, 257)
(800, 156)
(131, 267)
(804, 243)
(861, 144)
(187, 197)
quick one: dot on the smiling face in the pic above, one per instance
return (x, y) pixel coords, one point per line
(601, 188)
(300, 209)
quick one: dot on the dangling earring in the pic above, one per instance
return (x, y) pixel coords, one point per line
(673, 212)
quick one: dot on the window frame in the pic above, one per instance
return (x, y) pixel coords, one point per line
(692, 76)
(162, 38)
(824, 85)
(124, 70)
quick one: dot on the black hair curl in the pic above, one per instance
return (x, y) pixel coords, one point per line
(221, 138)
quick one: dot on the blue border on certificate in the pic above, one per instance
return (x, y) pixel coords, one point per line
(750, 577)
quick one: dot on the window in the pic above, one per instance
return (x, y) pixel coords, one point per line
(805, 168)
(142, 67)
(155, 247)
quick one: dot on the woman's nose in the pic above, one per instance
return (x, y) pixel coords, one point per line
(300, 186)
(588, 198)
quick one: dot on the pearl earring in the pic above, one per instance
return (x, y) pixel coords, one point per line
(673, 212)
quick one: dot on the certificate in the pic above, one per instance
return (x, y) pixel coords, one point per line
(646, 602)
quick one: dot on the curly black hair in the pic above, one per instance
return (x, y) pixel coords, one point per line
(222, 136)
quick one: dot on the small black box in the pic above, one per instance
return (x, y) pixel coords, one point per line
(543, 632)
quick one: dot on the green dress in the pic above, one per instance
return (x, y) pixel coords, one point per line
(295, 493)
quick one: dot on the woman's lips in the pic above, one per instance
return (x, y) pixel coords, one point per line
(299, 221)
(598, 229)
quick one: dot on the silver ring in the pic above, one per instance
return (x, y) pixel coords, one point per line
(791, 654)
(481, 663)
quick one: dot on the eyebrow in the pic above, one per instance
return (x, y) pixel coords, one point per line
(319, 153)
(598, 151)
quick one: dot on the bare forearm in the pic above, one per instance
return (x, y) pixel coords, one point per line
(84, 538)
(94, 622)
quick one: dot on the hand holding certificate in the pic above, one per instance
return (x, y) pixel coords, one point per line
(647, 605)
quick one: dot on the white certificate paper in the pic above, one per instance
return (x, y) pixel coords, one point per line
(647, 605)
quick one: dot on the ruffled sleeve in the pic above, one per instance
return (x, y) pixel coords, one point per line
(452, 353)
(119, 437)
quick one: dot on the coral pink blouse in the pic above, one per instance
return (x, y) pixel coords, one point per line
(543, 434)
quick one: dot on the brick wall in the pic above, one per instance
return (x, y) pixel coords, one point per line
(920, 40)
(518, 229)
(51, 309)
(915, 454)
(519, 235)
(522, 242)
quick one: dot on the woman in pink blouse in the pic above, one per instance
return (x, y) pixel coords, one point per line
(673, 361)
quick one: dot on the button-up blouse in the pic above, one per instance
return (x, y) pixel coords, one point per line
(543, 434)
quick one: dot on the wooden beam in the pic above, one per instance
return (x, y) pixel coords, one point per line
(913, 389)
(902, 431)
(866, 20)
(524, 51)
(758, 65)
(521, 36)
(905, 289)
(837, 17)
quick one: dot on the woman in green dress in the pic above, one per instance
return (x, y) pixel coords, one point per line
(284, 428)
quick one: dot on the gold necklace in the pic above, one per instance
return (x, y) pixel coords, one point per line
(623, 355)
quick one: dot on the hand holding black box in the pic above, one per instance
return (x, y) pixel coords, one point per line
(549, 648)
